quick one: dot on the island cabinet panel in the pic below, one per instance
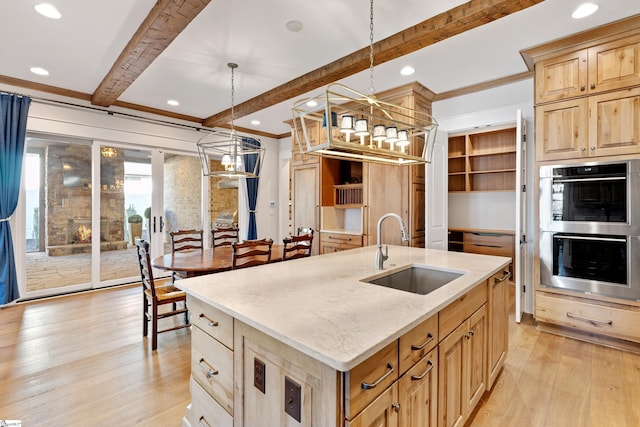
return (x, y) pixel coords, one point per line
(369, 379)
(462, 370)
(382, 412)
(459, 310)
(498, 319)
(212, 365)
(415, 344)
(419, 393)
(204, 410)
(212, 368)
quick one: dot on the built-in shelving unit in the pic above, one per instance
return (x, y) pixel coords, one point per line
(483, 160)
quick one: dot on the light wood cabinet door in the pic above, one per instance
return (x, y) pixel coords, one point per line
(561, 130)
(476, 363)
(614, 65)
(614, 123)
(313, 133)
(382, 412)
(451, 377)
(419, 393)
(498, 319)
(561, 77)
(462, 370)
(386, 191)
(306, 198)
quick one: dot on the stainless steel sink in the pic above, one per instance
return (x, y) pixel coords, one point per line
(415, 278)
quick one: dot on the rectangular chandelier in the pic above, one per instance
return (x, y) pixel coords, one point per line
(362, 127)
(241, 157)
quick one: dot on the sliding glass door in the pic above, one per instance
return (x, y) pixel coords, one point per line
(85, 203)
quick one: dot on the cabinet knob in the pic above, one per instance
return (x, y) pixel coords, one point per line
(396, 407)
(593, 148)
(583, 88)
(582, 149)
(593, 85)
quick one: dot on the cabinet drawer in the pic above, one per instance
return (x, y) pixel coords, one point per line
(488, 244)
(214, 322)
(450, 317)
(369, 379)
(212, 367)
(206, 411)
(608, 319)
(342, 239)
(418, 342)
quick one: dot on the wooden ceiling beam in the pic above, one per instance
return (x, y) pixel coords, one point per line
(455, 21)
(165, 21)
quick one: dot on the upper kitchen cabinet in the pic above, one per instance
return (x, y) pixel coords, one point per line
(587, 92)
(604, 67)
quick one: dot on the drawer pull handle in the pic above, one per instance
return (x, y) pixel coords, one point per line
(480, 245)
(348, 239)
(421, 376)
(423, 345)
(368, 386)
(208, 368)
(594, 322)
(210, 322)
(203, 422)
(507, 274)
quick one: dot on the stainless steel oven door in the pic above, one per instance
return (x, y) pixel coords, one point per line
(593, 264)
(591, 198)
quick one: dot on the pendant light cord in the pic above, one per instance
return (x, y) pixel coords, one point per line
(371, 87)
(233, 66)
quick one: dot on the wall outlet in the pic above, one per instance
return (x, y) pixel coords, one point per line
(259, 374)
(292, 398)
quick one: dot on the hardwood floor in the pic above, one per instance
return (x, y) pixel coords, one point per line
(80, 360)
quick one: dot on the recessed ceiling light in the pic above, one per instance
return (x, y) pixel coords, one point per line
(294, 26)
(255, 122)
(39, 71)
(407, 70)
(48, 10)
(584, 10)
(173, 102)
(312, 104)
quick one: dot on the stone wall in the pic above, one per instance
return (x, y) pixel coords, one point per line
(68, 196)
(221, 199)
(182, 193)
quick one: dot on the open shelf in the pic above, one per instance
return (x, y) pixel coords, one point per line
(483, 160)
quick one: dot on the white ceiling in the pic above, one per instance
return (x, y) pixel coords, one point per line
(79, 49)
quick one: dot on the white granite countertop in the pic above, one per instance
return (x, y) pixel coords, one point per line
(320, 306)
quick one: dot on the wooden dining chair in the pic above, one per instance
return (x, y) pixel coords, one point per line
(155, 296)
(297, 246)
(250, 253)
(305, 230)
(184, 240)
(224, 236)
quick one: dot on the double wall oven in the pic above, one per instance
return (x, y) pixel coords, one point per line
(590, 228)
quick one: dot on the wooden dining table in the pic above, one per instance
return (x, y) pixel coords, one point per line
(198, 262)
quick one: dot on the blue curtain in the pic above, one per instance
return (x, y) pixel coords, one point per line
(252, 185)
(13, 128)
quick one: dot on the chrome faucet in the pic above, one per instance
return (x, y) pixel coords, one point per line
(380, 257)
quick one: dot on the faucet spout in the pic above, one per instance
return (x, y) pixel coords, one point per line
(380, 257)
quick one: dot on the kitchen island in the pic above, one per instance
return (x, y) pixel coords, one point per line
(308, 342)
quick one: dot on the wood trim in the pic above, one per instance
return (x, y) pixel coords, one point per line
(165, 22)
(581, 40)
(44, 88)
(478, 87)
(467, 16)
